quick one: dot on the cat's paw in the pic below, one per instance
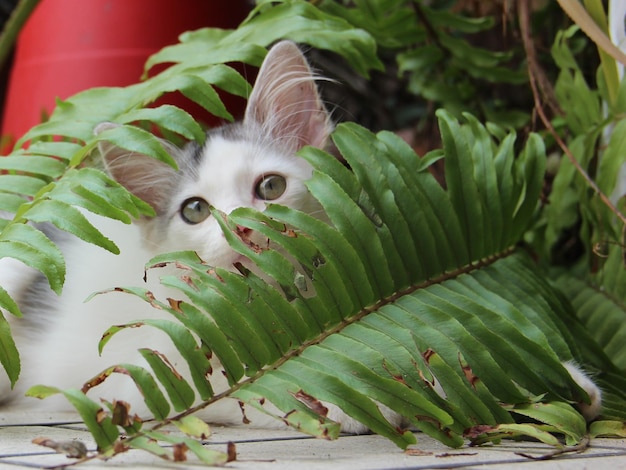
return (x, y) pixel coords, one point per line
(589, 410)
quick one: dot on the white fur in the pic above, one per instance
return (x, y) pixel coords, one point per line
(592, 409)
(64, 353)
(227, 180)
(62, 348)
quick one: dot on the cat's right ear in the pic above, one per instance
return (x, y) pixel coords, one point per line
(285, 101)
(146, 177)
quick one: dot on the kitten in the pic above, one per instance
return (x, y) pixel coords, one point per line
(245, 164)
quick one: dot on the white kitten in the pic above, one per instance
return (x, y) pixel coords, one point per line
(245, 164)
(241, 165)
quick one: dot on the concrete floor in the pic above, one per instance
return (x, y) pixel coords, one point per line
(281, 450)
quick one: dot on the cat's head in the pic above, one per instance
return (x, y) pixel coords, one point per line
(245, 164)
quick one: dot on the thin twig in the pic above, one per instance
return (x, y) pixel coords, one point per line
(534, 69)
(582, 446)
(430, 29)
(528, 48)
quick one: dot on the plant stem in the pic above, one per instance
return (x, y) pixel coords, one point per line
(526, 35)
(13, 26)
(582, 446)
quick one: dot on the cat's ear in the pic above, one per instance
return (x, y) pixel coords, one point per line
(146, 177)
(285, 101)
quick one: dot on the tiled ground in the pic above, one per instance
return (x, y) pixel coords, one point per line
(281, 450)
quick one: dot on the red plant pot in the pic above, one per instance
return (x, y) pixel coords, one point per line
(70, 45)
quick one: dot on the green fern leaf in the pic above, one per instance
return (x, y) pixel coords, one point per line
(30, 246)
(479, 327)
(9, 356)
(179, 391)
(100, 425)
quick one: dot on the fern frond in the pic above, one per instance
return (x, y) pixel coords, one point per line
(459, 341)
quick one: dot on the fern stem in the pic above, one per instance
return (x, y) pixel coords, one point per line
(348, 321)
(13, 26)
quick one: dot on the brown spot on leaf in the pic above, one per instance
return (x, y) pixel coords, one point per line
(430, 383)
(208, 353)
(182, 266)
(175, 304)
(95, 381)
(213, 272)
(245, 272)
(244, 235)
(101, 415)
(180, 452)
(396, 377)
(428, 354)
(469, 374)
(187, 280)
(152, 300)
(311, 402)
(121, 413)
(428, 419)
(244, 418)
(477, 431)
(167, 362)
(120, 447)
(120, 370)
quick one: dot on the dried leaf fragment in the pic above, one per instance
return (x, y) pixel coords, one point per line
(180, 452)
(101, 415)
(455, 454)
(231, 450)
(417, 452)
(72, 449)
(478, 430)
(121, 413)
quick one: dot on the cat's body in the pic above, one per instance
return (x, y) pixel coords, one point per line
(241, 165)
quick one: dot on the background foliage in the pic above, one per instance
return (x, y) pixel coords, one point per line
(442, 265)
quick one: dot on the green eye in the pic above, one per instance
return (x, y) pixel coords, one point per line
(271, 187)
(195, 210)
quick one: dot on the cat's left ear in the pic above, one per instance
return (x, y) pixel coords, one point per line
(285, 101)
(146, 177)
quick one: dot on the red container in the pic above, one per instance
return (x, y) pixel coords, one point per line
(70, 45)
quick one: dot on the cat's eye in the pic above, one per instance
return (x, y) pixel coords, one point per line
(270, 187)
(195, 210)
